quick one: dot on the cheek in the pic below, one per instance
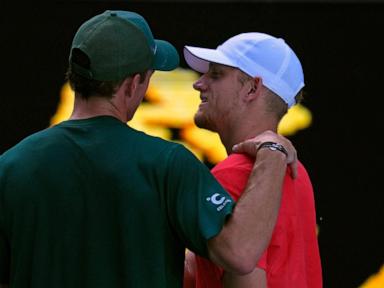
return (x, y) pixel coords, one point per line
(224, 102)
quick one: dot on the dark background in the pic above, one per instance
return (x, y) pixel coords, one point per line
(340, 46)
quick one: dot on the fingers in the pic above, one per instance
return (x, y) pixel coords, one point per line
(293, 166)
(251, 146)
(248, 147)
(292, 159)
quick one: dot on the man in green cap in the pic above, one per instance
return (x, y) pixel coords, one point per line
(119, 207)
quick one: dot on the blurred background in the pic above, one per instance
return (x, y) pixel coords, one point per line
(336, 130)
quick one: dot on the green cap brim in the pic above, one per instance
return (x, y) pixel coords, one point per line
(166, 56)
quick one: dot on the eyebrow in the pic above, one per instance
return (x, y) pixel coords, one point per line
(213, 64)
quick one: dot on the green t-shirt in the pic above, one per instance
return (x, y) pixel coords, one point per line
(95, 203)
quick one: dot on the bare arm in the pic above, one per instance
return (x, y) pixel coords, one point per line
(246, 234)
(4, 286)
(256, 279)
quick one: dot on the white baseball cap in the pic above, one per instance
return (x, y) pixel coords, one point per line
(258, 55)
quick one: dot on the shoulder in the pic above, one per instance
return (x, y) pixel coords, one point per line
(235, 161)
(301, 186)
(164, 153)
(302, 173)
(233, 172)
(154, 143)
(26, 144)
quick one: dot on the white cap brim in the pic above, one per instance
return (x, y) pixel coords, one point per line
(199, 58)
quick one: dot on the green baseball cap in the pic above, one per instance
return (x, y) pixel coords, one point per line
(117, 44)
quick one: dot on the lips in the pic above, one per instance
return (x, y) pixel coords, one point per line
(203, 99)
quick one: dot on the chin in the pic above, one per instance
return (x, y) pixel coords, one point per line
(203, 122)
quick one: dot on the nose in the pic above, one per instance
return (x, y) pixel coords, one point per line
(200, 85)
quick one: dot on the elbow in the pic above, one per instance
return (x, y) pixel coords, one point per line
(236, 259)
(239, 268)
(241, 264)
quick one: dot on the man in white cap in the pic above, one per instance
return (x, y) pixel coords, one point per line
(248, 84)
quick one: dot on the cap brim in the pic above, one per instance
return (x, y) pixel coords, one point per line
(199, 58)
(166, 56)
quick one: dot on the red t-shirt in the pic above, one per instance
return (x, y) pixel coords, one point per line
(292, 258)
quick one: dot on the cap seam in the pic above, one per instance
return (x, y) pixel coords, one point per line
(92, 32)
(284, 65)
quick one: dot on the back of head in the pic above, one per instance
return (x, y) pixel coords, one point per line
(258, 55)
(115, 44)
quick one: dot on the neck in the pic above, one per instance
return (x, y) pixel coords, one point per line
(97, 106)
(246, 129)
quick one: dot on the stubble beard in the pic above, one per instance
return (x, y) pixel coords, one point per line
(203, 122)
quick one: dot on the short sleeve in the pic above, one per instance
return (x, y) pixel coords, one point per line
(197, 204)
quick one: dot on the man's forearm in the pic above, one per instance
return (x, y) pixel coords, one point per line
(248, 231)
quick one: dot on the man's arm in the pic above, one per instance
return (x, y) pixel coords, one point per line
(246, 234)
(4, 286)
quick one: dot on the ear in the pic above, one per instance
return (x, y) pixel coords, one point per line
(128, 88)
(254, 89)
(130, 85)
